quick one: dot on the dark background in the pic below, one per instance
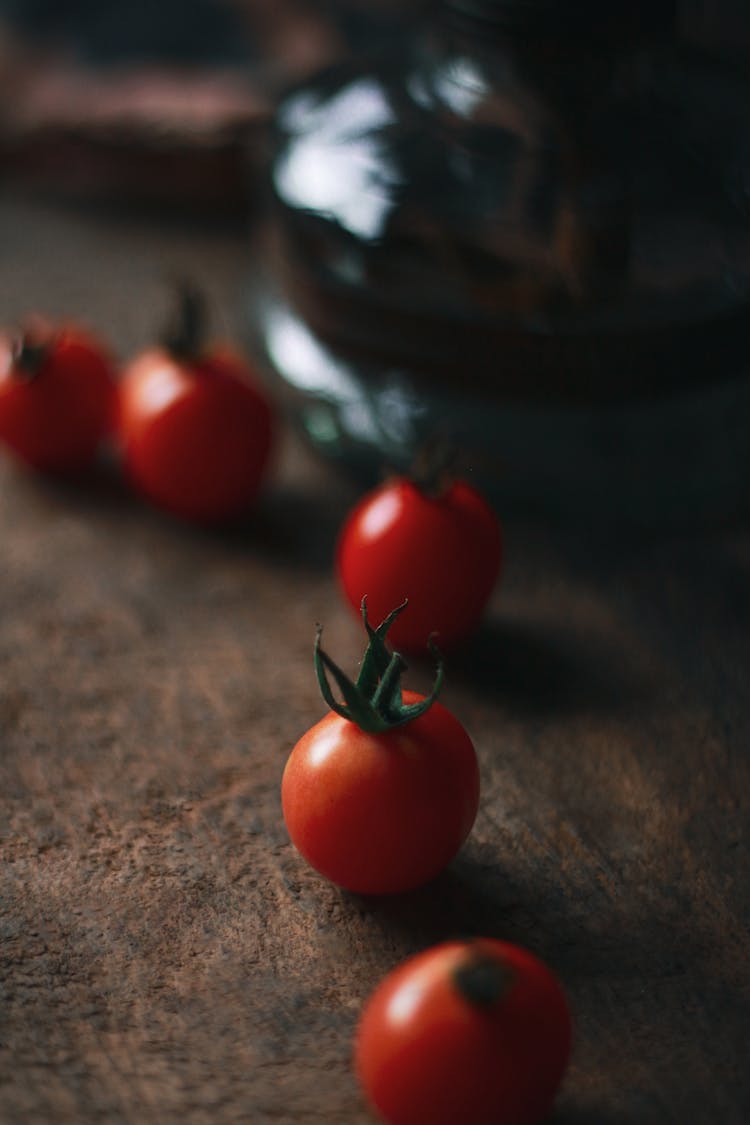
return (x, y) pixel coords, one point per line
(166, 102)
(165, 956)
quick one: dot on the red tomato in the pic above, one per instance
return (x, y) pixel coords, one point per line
(442, 552)
(57, 397)
(195, 429)
(382, 809)
(473, 1032)
(381, 813)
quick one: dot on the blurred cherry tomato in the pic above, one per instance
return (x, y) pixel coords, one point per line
(440, 551)
(57, 396)
(382, 792)
(476, 1032)
(195, 428)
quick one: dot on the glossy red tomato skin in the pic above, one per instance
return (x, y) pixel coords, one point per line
(381, 813)
(443, 553)
(423, 1053)
(57, 419)
(195, 436)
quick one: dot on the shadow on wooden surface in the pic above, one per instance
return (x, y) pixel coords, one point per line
(643, 982)
(535, 668)
(589, 1115)
(293, 527)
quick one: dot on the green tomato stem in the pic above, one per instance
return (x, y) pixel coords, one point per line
(432, 470)
(375, 702)
(29, 357)
(482, 980)
(185, 334)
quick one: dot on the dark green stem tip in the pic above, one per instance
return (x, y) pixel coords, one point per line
(29, 356)
(483, 980)
(375, 702)
(185, 334)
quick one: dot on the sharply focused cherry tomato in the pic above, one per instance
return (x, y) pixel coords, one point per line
(381, 793)
(473, 1032)
(57, 396)
(441, 551)
(195, 429)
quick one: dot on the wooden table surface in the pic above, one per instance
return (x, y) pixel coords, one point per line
(165, 955)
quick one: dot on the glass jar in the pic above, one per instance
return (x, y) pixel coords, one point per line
(525, 232)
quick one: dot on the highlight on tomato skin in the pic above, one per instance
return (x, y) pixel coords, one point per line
(196, 429)
(381, 793)
(441, 550)
(196, 438)
(468, 1031)
(381, 813)
(57, 396)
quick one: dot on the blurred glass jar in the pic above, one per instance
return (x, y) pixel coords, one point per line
(525, 232)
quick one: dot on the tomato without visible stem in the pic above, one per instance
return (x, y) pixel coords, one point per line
(57, 397)
(381, 813)
(473, 1032)
(441, 552)
(195, 428)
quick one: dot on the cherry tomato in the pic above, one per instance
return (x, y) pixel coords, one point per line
(384, 809)
(442, 552)
(476, 1032)
(57, 397)
(195, 429)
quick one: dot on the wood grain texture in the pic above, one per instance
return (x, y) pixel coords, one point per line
(165, 956)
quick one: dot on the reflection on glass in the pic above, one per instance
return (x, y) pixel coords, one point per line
(335, 164)
(535, 236)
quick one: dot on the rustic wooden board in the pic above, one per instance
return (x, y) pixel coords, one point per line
(165, 955)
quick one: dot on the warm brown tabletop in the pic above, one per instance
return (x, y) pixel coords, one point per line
(164, 953)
